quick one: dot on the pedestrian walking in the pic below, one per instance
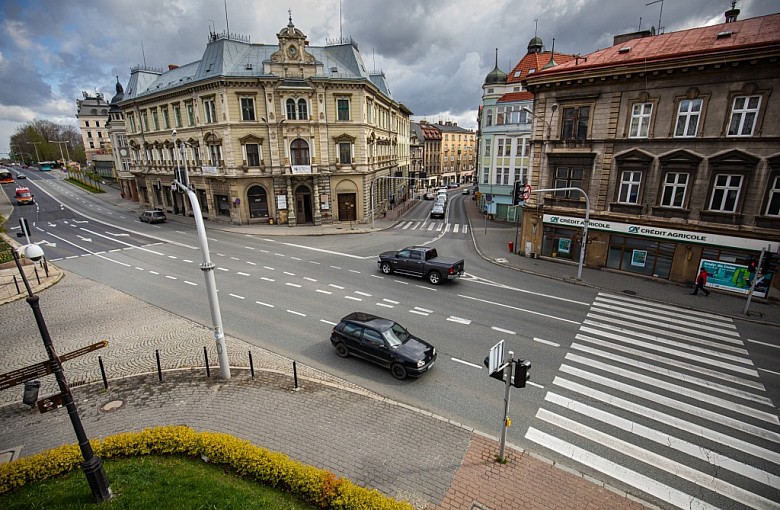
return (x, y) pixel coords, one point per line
(701, 281)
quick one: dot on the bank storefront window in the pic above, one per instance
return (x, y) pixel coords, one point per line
(642, 256)
(561, 242)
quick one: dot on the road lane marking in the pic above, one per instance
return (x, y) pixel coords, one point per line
(236, 296)
(328, 322)
(762, 343)
(264, 304)
(190, 283)
(502, 330)
(353, 298)
(297, 313)
(243, 274)
(385, 305)
(390, 301)
(419, 312)
(543, 341)
(293, 285)
(518, 309)
(267, 279)
(324, 291)
(289, 273)
(336, 286)
(456, 360)
(362, 293)
(171, 277)
(459, 320)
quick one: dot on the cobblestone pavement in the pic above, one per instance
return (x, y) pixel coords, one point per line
(404, 452)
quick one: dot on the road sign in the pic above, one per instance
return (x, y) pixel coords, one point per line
(488, 197)
(51, 403)
(496, 357)
(526, 192)
(43, 368)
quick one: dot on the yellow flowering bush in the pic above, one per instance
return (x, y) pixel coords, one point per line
(317, 486)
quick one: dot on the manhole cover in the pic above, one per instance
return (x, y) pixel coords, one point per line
(502, 260)
(629, 292)
(114, 405)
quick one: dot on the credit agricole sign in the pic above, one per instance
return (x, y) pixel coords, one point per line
(669, 234)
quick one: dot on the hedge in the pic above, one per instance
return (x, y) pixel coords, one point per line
(316, 486)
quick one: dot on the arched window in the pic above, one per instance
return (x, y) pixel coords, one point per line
(290, 109)
(303, 111)
(299, 152)
(258, 202)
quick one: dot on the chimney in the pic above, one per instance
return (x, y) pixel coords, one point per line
(731, 14)
(171, 67)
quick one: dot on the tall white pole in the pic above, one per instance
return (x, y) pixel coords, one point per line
(207, 266)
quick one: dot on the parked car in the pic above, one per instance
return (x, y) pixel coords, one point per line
(453, 185)
(421, 261)
(429, 195)
(438, 210)
(465, 191)
(384, 342)
(153, 217)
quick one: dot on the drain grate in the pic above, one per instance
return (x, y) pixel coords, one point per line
(629, 292)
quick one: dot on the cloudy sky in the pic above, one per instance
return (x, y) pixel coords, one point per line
(435, 53)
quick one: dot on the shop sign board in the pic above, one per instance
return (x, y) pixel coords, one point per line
(667, 234)
(733, 277)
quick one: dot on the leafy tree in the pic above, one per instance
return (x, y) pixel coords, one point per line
(42, 131)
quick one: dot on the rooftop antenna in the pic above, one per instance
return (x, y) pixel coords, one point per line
(143, 53)
(660, 29)
(640, 24)
(227, 23)
(536, 28)
(341, 31)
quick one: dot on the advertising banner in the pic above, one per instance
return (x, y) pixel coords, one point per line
(732, 277)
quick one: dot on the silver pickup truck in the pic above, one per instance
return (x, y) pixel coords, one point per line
(421, 261)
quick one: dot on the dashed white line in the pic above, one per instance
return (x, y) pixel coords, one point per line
(293, 285)
(324, 291)
(390, 301)
(314, 262)
(223, 269)
(309, 279)
(362, 293)
(400, 281)
(289, 273)
(297, 313)
(419, 312)
(243, 274)
(234, 258)
(269, 268)
(328, 322)
(335, 267)
(251, 263)
(171, 277)
(354, 271)
(353, 298)
(173, 257)
(459, 320)
(236, 296)
(385, 305)
(295, 258)
(426, 288)
(190, 283)
(543, 341)
(502, 330)
(267, 279)
(423, 309)
(264, 304)
(154, 272)
(187, 261)
(336, 286)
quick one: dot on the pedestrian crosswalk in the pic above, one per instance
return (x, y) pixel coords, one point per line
(432, 226)
(667, 402)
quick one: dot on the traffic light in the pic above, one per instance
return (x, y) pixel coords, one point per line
(751, 263)
(521, 373)
(517, 193)
(498, 374)
(771, 261)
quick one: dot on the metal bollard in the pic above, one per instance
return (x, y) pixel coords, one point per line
(16, 284)
(103, 373)
(159, 369)
(206, 355)
(251, 365)
(37, 276)
(295, 374)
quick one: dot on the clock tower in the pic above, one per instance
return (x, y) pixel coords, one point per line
(292, 46)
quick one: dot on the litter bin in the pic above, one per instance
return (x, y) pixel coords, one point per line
(31, 392)
(511, 247)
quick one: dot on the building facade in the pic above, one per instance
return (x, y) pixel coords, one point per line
(269, 133)
(458, 153)
(677, 154)
(92, 112)
(505, 130)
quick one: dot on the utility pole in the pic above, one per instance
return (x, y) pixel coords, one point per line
(37, 157)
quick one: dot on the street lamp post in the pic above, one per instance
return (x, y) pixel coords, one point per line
(92, 465)
(37, 156)
(207, 266)
(62, 156)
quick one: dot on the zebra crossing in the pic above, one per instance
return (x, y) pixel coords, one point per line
(666, 401)
(432, 226)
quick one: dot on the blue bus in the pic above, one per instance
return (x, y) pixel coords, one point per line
(45, 166)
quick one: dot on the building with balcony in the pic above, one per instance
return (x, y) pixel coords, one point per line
(458, 153)
(505, 129)
(431, 154)
(284, 132)
(675, 140)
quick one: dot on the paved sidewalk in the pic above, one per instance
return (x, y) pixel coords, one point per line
(404, 452)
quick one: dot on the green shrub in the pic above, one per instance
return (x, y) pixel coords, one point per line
(316, 486)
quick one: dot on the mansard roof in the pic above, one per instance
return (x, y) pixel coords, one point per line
(229, 56)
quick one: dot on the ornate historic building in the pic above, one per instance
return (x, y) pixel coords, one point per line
(285, 132)
(675, 140)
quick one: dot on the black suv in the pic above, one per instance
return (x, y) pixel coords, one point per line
(384, 342)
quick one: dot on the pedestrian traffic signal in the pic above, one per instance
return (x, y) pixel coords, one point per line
(521, 373)
(517, 193)
(751, 263)
(771, 261)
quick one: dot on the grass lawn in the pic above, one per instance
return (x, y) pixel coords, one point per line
(158, 483)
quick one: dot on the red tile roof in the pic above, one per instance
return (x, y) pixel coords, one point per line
(752, 34)
(516, 96)
(533, 63)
